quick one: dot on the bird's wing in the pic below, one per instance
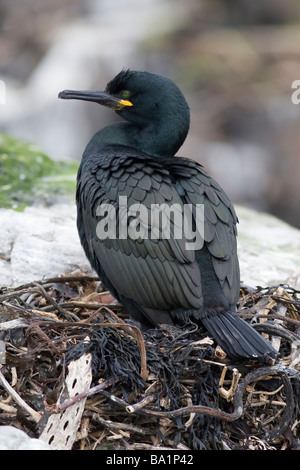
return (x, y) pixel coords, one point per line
(154, 273)
(220, 220)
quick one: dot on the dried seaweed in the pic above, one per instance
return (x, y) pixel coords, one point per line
(164, 388)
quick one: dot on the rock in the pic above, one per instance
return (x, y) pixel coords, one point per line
(269, 249)
(12, 438)
(38, 243)
(43, 242)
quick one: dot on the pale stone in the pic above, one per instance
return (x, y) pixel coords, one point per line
(269, 249)
(39, 243)
(12, 438)
(43, 242)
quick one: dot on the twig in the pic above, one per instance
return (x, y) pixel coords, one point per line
(64, 314)
(141, 404)
(18, 292)
(55, 280)
(82, 305)
(11, 324)
(112, 425)
(80, 396)
(34, 414)
(276, 330)
(229, 394)
(272, 315)
(35, 329)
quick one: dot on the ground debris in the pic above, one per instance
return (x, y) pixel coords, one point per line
(164, 388)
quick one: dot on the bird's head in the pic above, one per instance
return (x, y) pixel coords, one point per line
(150, 102)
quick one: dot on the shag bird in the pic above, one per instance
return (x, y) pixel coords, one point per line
(131, 166)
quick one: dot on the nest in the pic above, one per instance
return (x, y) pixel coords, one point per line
(79, 374)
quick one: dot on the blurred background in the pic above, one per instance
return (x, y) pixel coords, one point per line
(235, 61)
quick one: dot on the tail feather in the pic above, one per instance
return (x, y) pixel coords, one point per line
(238, 339)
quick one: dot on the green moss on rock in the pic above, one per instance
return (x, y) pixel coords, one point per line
(29, 177)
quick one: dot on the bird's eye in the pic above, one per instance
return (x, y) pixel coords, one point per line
(126, 94)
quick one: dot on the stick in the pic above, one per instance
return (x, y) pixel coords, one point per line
(141, 404)
(80, 396)
(34, 414)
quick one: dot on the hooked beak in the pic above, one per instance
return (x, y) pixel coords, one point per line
(97, 96)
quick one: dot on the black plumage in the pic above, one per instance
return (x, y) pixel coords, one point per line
(156, 277)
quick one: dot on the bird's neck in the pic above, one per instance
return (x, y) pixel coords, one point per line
(156, 140)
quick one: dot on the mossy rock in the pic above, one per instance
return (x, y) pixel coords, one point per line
(29, 177)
